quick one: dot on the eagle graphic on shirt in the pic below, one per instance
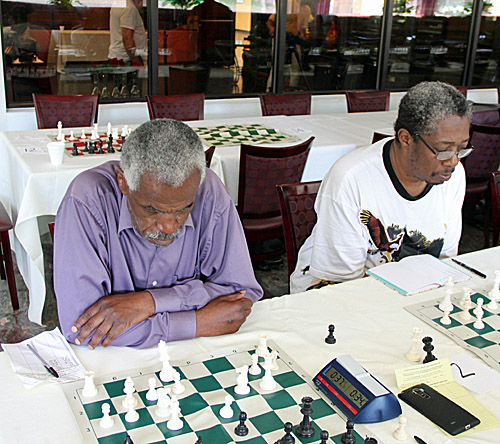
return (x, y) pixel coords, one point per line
(395, 243)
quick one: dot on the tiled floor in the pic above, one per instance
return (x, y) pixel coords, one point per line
(15, 326)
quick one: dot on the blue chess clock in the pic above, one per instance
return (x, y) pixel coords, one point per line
(360, 396)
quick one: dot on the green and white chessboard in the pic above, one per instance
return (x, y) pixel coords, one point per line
(255, 133)
(485, 342)
(207, 382)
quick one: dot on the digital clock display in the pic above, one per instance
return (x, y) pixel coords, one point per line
(352, 393)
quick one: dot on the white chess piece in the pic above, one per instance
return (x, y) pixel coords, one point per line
(465, 301)
(151, 394)
(267, 383)
(131, 415)
(276, 366)
(242, 387)
(400, 433)
(108, 132)
(494, 293)
(478, 311)
(465, 315)
(163, 404)
(60, 135)
(178, 387)
(128, 389)
(175, 423)
(226, 411)
(445, 320)
(114, 132)
(255, 368)
(89, 389)
(167, 372)
(71, 136)
(478, 323)
(106, 421)
(414, 354)
(83, 135)
(262, 349)
(448, 291)
(125, 131)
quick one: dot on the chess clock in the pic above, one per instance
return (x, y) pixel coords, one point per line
(360, 396)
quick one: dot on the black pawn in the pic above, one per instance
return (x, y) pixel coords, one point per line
(128, 440)
(369, 440)
(198, 441)
(101, 151)
(324, 437)
(330, 339)
(241, 429)
(305, 428)
(75, 150)
(110, 145)
(428, 347)
(287, 437)
(348, 437)
(91, 147)
(86, 149)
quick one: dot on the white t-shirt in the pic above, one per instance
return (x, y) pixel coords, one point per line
(125, 17)
(364, 221)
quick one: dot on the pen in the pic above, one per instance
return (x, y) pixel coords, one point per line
(467, 267)
(47, 366)
(419, 440)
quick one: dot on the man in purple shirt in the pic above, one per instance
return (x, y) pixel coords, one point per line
(152, 247)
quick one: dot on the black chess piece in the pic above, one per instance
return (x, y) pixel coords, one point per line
(241, 429)
(348, 437)
(287, 437)
(91, 147)
(110, 145)
(428, 347)
(86, 149)
(128, 440)
(305, 429)
(75, 150)
(101, 151)
(330, 339)
(198, 441)
(369, 440)
(122, 137)
(324, 437)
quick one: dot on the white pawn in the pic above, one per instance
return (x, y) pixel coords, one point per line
(465, 302)
(465, 315)
(448, 291)
(89, 389)
(494, 294)
(276, 366)
(267, 383)
(114, 132)
(178, 387)
(400, 433)
(255, 368)
(83, 136)
(445, 320)
(478, 311)
(242, 387)
(125, 131)
(71, 136)
(106, 421)
(414, 354)
(131, 415)
(226, 411)
(478, 323)
(163, 404)
(262, 349)
(151, 394)
(175, 423)
(129, 390)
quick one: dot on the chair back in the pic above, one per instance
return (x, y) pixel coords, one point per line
(379, 136)
(297, 211)
(486, 156)
(487, 117)
(208, 155)
(51, 230)
(463, 90)
(72, 111)
(285, 104)
(363, 101)
(261, 169)
(495, 205)
(179, 107)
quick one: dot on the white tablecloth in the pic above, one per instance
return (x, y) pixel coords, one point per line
(31, 187)
(371, 325)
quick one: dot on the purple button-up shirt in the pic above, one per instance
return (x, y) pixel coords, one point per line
(97, 252)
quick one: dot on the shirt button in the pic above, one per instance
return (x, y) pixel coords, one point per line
(154, 283)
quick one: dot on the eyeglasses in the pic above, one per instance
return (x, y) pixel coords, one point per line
(445, 155)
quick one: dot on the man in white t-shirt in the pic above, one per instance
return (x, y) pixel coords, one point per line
(128, 40)
(398, 197)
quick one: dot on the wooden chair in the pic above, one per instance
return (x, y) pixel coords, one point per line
(72, 111)
(495, 205)
(363, 101)
(261, 169)
(297, 211)
(6, 264)
(285, 104)
(179, 107)
(479, 165)
(379, 136)
(209, 154)
(463, 90)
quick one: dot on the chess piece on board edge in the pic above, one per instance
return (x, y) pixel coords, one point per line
(428, 347)
(348, 437)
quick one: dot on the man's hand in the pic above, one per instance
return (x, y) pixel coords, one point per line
(223, 315)
(111, 315)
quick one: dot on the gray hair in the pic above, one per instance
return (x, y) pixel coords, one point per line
(426, 104)
(168, 149)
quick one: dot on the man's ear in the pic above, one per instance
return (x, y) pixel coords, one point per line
(404, 136)
(122, 182)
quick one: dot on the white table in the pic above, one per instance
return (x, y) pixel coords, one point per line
(31, 187)
(371, 325)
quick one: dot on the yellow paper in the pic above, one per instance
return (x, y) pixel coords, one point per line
(433, 373)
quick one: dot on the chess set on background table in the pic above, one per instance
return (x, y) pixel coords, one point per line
(206, 384)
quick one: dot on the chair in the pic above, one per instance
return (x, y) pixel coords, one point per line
(6, 265)
(486, 117)
(209, 154)
(363, 101)
(261, 169)
(495, 205)
(297, 211)
(72, 111)
(51, 230)
(179, 107)
(463, 90)
(379, 136)
(285, 104)
(479, 165)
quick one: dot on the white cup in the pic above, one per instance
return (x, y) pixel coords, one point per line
(56, 152)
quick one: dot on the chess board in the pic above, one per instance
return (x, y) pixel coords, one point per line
(80, 143)
(207, 380)
(485, 342)
(226, 135)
